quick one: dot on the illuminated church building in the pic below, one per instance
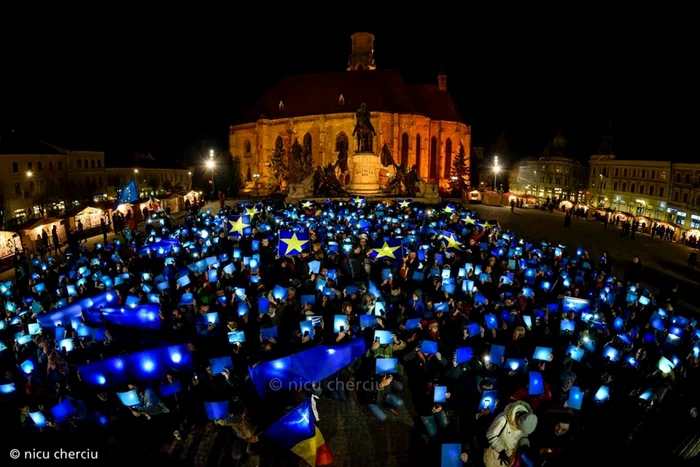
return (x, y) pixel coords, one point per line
(416, 124)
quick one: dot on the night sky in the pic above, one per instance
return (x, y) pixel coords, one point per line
(173, 90)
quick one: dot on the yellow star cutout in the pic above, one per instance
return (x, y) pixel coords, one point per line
(294, 244)
(452, 241)
(404, 204)
(251, 211)
(486, 225)
(237, 226)
(448, 210)
(358, 200)
(306, 204)
(469, 220)
(386, 251)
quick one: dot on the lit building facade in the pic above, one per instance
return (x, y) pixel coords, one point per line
(39, 178)
(415, 124)
(666, 191)
(553, 175)
(30, 181)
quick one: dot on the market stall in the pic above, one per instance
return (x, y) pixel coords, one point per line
(565, 205)
(29, 232)
(475, 196)
(9, 241)
(89, 216)
(174, 202)
(491, 198)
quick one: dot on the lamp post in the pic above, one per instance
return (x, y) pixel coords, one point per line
(256, 177)
(210, 165)
(496, 170)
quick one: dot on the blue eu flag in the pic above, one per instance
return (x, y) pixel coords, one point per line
(128, 195)
(386, 249)
(292, 243)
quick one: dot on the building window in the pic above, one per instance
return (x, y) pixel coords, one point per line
(632, 188)
(448, 158)
(624, 173)
(432, 173)
(404, 150)
(661, 192)
(644, 174)
(15, 167)
(60, 165)
(99, 163)
(685, 197)
(678, 178)
(663, 175)
(605, 171)
(617, 171)
(651, 191)
(50, 165)
(80, 164)
(634, 173)
(694, 221)
(624, 187)
(687, 178)
(18, 188)
(92, 163)
(85, 164)
(29, 166)
(614, 186)
(39, 166)
(676, 195)
(641, 189)
(418, 153)
(246, 147)
(31, 186)
(307, 141)
(653, 174)
(248, 175)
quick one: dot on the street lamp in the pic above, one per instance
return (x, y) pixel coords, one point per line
(29, 173)
(136, 171)
(210, 165)
(496, 170)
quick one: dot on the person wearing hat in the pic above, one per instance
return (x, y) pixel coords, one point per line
(508, 434)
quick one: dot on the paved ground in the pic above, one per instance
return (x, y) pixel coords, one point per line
(664, 262)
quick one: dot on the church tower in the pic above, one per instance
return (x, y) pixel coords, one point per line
(362, 55)
(442, 80)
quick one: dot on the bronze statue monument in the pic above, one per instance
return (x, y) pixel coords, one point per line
(364, 131)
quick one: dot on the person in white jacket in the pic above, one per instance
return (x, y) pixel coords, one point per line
(508, 433)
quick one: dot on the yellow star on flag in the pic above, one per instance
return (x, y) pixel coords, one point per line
(237, 226)
(306, 204)
(358, 200)
(294, 244)
(386, 251)
(486, 225)
(452, 241)
(251, 211)
(469, 220)
(448, 209)
(404, 204)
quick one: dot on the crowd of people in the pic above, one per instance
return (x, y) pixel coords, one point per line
(515, 349)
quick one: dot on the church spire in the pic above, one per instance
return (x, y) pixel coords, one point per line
(362, 55)
(442, 79)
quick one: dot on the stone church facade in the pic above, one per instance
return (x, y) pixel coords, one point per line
(416, 124)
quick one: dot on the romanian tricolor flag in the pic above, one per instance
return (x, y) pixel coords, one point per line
(298, 432)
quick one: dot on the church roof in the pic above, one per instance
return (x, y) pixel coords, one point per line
(381, 90)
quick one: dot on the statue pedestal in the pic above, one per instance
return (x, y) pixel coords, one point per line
(364, 174)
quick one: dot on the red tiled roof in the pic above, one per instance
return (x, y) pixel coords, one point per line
(381, 90)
